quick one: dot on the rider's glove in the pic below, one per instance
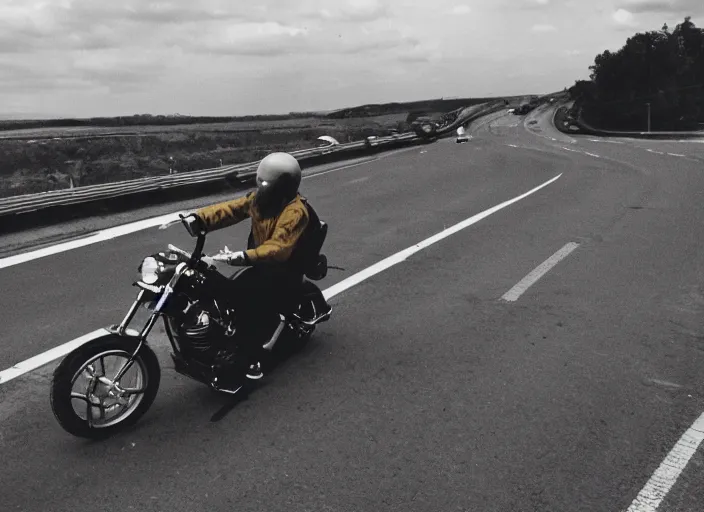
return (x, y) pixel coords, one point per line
(193, 224)
(231, 258)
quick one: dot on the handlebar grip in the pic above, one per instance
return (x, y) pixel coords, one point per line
(179, 251)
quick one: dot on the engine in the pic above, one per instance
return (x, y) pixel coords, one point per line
(197, 333)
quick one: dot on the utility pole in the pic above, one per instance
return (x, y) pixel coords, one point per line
(648, 116)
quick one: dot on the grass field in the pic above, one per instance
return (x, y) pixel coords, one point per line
(42, 159)
(39, 158)
(381, 122)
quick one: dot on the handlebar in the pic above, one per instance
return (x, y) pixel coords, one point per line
(197, 254)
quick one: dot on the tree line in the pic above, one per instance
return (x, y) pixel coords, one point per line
(656, 74)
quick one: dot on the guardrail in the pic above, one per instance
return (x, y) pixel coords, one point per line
(458, 118)
(31, 210)
(32, 202)
(468, 117)
(587, 129)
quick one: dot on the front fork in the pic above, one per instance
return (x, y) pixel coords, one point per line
(121, 330)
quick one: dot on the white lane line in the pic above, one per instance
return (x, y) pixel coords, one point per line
(98, 236)
(676, 154)
(45, 358)
(125, 229)
(573, 150)
(604, 140)
(403, 255)
(591, 154)
(60, 351)
(338, 169)
(656, 152)
(514, 293)
(659, 485)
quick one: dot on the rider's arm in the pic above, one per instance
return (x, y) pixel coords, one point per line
(278, 248)
(225, 214)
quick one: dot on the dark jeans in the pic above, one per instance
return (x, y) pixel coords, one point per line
(258, 295)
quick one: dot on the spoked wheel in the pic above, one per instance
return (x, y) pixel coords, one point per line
(96, 391)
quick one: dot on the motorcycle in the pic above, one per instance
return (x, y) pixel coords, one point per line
(200, 327)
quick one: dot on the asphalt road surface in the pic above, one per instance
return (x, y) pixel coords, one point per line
(426, 391)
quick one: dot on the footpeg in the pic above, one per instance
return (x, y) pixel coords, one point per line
(215, 385)
(315, 321)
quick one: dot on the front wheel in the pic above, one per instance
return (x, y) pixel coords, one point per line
(87, 399)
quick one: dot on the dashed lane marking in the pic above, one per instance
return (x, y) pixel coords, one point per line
(520, 288)
(659, 485)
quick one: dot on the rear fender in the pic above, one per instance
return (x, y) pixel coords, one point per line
(313, 308)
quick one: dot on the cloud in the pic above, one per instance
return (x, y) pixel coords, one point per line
(274, 40)
(461, 9)
(28, 77)
(262, 39)
(526, 4)
(543, 28)
(638, 6)
(104, 57)
(624, 18)
(118, 71)
(354, 10)
(671, 7)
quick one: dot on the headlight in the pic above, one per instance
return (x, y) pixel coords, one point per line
(149, 270)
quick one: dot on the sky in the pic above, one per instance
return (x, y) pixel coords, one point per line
(83, 58)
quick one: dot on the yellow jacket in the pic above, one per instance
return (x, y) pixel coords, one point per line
(274, 239)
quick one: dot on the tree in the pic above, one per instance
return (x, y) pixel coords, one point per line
(665, 69)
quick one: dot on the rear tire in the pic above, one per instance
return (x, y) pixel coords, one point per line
(88, 361)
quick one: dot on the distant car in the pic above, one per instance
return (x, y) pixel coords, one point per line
(461, 136)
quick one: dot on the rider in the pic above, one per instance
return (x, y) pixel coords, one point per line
(279, 218)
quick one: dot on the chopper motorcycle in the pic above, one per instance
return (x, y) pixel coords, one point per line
(118, 374)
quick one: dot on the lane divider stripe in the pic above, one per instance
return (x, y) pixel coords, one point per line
(520, 288)
(659, 485)
(133, 227)
(60, 351)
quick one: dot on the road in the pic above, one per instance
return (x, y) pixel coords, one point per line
(426, 390)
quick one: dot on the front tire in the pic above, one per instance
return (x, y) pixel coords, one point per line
(87, 367)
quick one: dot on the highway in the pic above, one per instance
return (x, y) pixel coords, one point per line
(428, 390)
